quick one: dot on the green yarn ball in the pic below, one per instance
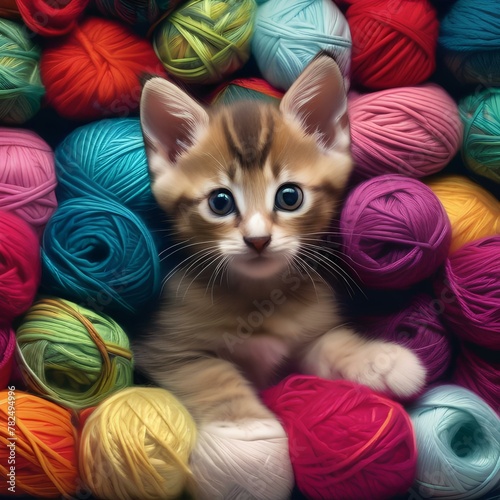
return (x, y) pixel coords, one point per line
(480, 114)
(203, 41)
(21, 88)
(72, 355)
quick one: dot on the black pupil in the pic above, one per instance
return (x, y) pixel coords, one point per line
(221, 202)
(290, 196)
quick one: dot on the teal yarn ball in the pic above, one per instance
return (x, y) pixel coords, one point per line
(100, 255)
(106, 159)
(458, 442)
(21, 88)
(289, 34)
(470, 39)
(480, 114)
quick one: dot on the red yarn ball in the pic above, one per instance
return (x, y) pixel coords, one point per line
(20, 266)
(7, 349)
(393, 42)
(95, 71)
(470, 284)
(345, 440)
(51, 17)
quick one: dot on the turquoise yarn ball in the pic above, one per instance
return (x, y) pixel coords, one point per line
(99, 254)
(480, 114)
(289, 34)
(458, 442)
(106, 159)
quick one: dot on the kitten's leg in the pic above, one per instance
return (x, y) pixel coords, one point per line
(383, 366)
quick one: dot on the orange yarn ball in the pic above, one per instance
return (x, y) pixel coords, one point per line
(37, 447)
(393, 42)
(95, 71)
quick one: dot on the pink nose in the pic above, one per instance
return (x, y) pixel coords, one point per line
(258, 243)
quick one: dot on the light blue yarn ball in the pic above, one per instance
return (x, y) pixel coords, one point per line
(289, 34)
(458, 442)
(106, 159)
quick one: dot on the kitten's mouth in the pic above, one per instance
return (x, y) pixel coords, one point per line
(258, 266)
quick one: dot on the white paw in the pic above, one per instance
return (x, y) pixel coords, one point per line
(387, 367)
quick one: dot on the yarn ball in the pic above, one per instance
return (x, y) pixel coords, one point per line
(21, 88)
(41, 441)
(346, 441)
(395, 232)
(100, 254)
(106, 159)
(136, 444)
(413, 131)
(7, 349)
(480, 113)
(288, 35)
(243, 459)
(473, 211)
(51, 17)
(27, 177)
(470, 39)
(478, 369)
(72, 355)
(245, 89)
(458, 440)
(19, 266)
(9, 10)
(418, 327)
(471, 284)
(136, 12)
(95, 70)
(203, 41)
(393, 43)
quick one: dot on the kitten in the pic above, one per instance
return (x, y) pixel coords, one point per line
(251, 190)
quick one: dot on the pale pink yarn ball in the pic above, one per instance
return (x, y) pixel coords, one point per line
(413, 131)
(27, 177)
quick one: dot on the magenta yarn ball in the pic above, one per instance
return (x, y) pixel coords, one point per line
(7, 349)
(345, 440)
(471, 284)
(395, 232)
(27, 177)
(418, 327)
(413, 131)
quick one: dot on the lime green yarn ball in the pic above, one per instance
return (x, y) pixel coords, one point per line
(72, 355)
(480, 114)
(203, 41)
(21, 88)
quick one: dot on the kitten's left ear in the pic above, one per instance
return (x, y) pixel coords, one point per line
(171, 123)
(317, 100)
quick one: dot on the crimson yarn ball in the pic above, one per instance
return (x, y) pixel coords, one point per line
(393, 42)
(345, 440)
(470, 283)
(95, 71)
(7, 349)
(395, 232)
(20, 266)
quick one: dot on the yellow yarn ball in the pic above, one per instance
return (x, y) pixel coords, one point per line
(136, 445)
(473, 211)
(203, 41)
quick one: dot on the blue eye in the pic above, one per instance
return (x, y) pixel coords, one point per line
(288, 197)
(221, 202)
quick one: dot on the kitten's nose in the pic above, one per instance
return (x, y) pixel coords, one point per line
(258, 243)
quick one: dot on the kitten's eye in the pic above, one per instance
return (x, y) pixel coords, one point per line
(221, 202)
(288, 197)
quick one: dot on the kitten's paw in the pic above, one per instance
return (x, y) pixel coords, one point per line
(389, 368)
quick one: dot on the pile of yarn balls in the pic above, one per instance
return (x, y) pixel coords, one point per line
(81, 239)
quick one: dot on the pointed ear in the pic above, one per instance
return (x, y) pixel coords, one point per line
(317, 101)
(171, 123)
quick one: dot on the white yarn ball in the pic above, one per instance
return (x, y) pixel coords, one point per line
(244, 460)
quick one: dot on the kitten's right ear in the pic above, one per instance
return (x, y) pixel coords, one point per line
(171, 123)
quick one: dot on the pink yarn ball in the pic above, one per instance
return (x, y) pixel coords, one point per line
(345, 440)
(471, 284)
(413, 131)
(479, 371)
(395, 232)
(417, 327)
(27, 177)
(7, 349)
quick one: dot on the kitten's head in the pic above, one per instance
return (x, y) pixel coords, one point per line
(249, 184)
